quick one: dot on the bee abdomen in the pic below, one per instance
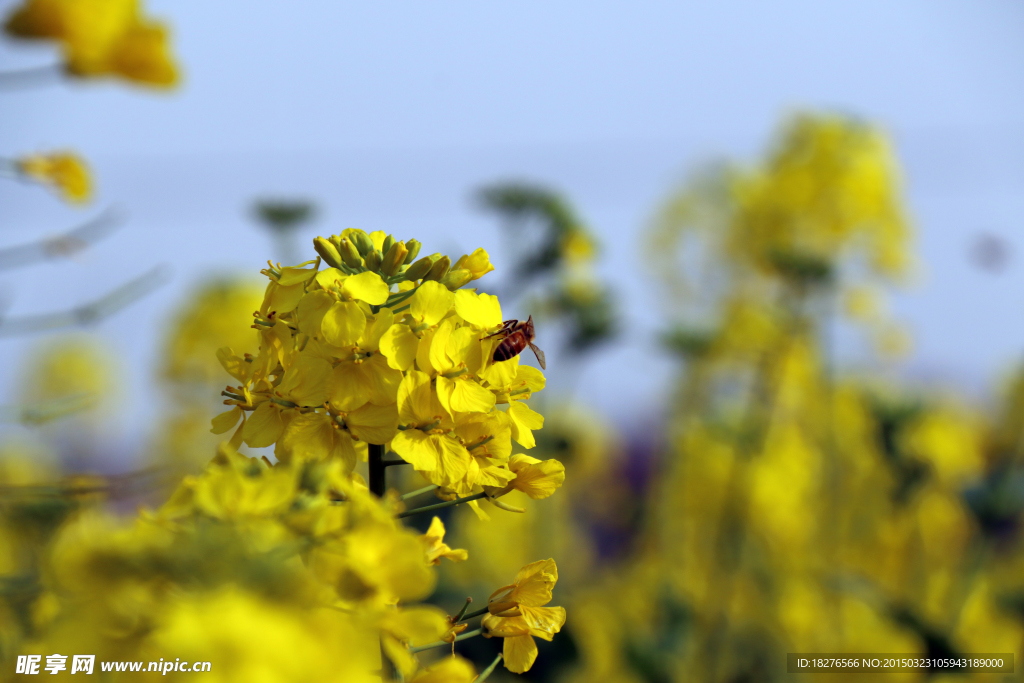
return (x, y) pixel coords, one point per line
(510, 347)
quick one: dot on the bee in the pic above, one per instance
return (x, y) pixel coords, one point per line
(516, 336)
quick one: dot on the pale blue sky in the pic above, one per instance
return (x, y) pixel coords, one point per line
(390, 114)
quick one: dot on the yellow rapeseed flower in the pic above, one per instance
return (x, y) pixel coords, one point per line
(64, 171)
(100, 38)
(517, 613)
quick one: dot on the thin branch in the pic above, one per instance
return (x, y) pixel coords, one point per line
(47, 411)
(439, 506)
(488, 671)
(442, 643)
(472, 615)
(35, 76)
(90, 313)
(462, 612)
(62, 246)
(116, 486)
(394, 461)
(419, 492)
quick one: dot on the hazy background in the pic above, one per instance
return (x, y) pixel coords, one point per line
(390, 115)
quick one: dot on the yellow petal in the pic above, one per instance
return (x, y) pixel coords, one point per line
(368, 287)
(520, 653)
(382, 322)
(343, 324)
(453, 669)
(415, 448)
(294, 276)
(309, 436)
(534, 583)
(418, 625)
(399, 346)
(532, 377)
(544, 622)
(226, 421)
(524, 421)
(305, 382)
(536, 478)
(264, 426)
(438, 357)
(453, 459)
(415, 399)
(431, 302)
(464, 348)
(346, 389)
(445, 387)
(344, 449)
(311, 309)
(482, 310)
(373, 424)
(423, 353)
(236, 366)
(501, 374)
(378, 237)
(329, 278)
(280, 299)
(469, 397)
(381, 380)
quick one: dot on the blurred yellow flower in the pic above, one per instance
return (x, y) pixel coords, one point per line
(76, 371)
(100, 38)
(437, 548)
(64, 171)
(215, 314)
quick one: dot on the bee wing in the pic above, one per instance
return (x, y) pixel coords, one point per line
(540, 355)
(506, 327)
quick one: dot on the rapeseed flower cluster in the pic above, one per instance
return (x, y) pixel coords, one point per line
(380, 348)
(100, 38)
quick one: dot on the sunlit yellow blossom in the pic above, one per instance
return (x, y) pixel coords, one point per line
(517, 614)
(64, 171)
(536, 478)
(532, 587)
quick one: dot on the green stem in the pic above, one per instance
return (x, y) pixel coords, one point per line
(419, 492)
(441, 643)
(472, 615)
(440, 506)
(378, 484)
(488, 671)
(458, 617)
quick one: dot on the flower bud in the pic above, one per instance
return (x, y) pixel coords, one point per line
(386, 245)
(418, 269)
(373, 260)
(439, 269)
(328, 252)
(361, 241)
(456, 278)
(393, 259)
(349, 254)
(414, 250)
